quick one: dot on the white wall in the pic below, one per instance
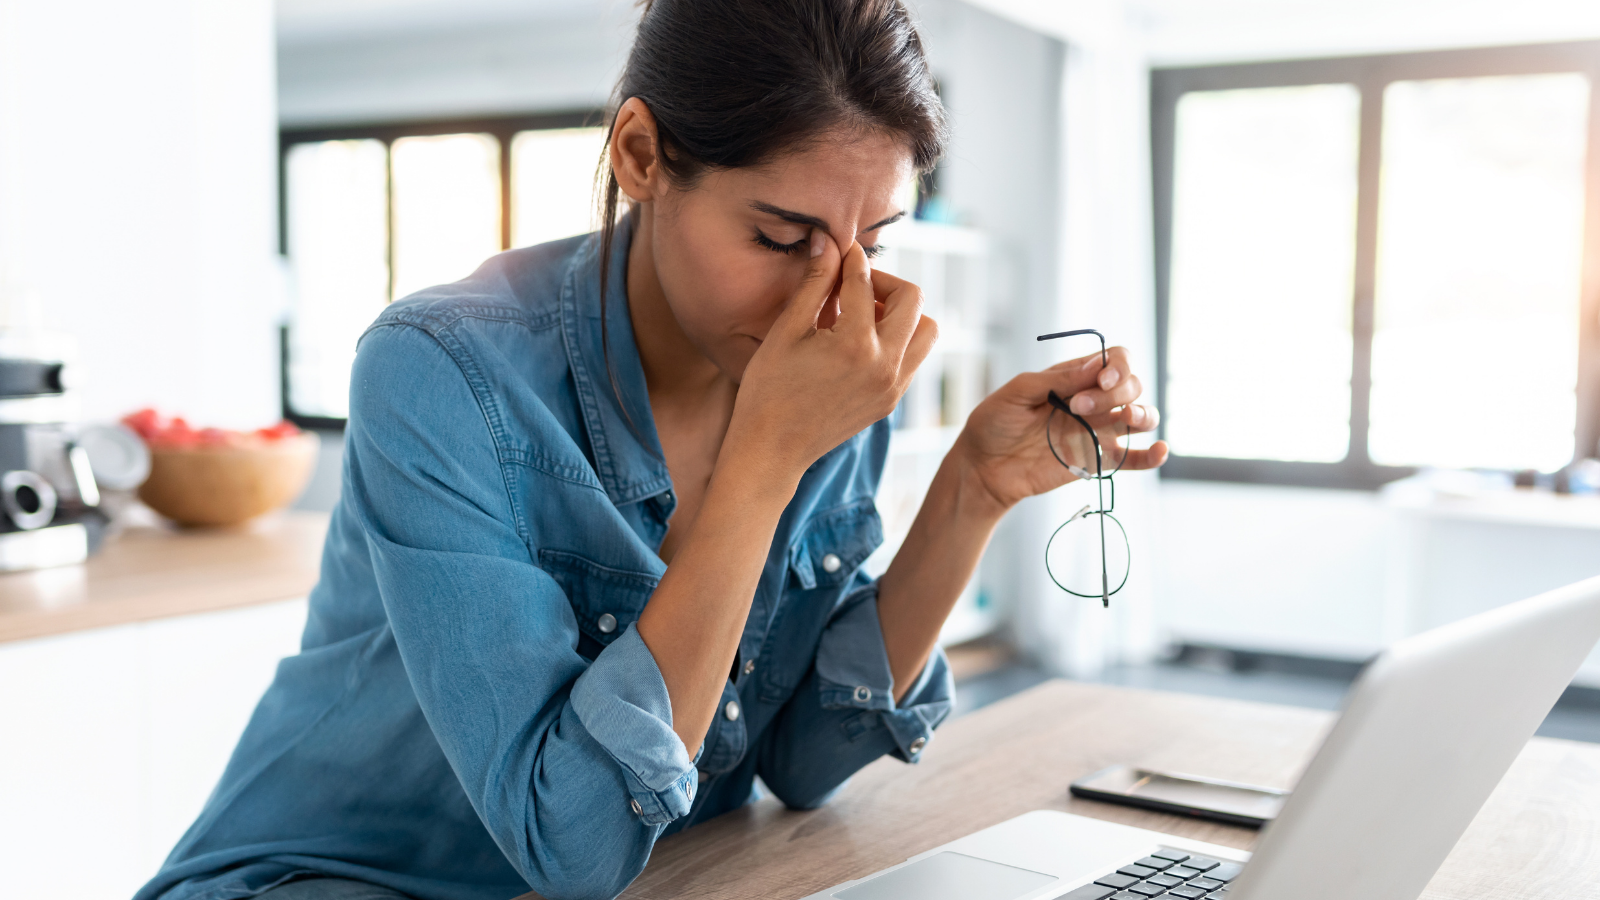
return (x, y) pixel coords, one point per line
(1186, 32)
(137, 197)
(502, 68)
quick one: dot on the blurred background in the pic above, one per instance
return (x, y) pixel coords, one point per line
(1351, 246)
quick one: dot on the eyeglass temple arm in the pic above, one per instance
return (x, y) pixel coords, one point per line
(1104, 360)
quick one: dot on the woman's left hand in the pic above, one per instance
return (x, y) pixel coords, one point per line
(1003, 443)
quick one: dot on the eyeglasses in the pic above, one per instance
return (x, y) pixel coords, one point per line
(1077, 536)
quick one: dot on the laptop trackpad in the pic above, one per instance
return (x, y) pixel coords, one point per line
(949, 876)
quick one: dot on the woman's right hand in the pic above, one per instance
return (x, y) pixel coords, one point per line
(808, 389)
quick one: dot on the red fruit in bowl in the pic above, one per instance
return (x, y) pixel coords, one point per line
(145, 423)
(177, 433)
(278, 432)
(218, 476)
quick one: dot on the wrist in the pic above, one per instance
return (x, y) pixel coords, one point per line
(755, 471)
(973, 499)
(762, 448)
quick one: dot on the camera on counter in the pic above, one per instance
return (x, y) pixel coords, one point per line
(49, 499)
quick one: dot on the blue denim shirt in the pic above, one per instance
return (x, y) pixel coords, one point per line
(472, 713)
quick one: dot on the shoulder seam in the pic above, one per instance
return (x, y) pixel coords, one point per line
(490, 412)
(432, 322)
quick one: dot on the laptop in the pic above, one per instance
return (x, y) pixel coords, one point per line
(1427, 731)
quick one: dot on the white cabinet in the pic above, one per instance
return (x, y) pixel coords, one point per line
(1342, 574)
(111, 740)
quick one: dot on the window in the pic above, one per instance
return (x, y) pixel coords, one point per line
(371, 214)
(1372, 264)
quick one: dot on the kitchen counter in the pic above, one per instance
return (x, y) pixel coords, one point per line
(155, 571)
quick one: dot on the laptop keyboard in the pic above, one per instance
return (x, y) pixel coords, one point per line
(1166, 873)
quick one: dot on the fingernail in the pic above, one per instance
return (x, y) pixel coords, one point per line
(1109, 378)
(1082, 405)
(818, 241)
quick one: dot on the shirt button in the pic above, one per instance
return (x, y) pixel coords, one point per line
(749, 666)
(863, 693)
(637, 809)
(831, 563)
(607, 623)
(731, 711)
(917, 745)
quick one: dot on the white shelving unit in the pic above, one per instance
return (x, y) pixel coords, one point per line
(949, 263)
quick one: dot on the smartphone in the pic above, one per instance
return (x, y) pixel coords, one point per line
(1186, 795)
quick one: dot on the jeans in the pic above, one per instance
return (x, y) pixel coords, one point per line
(331, 889)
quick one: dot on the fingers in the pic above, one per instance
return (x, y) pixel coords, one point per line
(856, 313)
(1139, 459)
(822, 272)
(1103, 385)
(1134, 418)
(921, 343)
(902, 310)
(1092, 401)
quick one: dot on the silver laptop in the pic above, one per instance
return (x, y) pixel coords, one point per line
(1427, 732)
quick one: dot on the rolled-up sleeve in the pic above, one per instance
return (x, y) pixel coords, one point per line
(622, 700)
(572, 766)
(844, 715)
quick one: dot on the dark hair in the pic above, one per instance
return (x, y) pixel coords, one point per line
(735, 83)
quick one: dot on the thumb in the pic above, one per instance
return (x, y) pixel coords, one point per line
(822, 273)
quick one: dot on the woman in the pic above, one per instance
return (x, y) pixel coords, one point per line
(595, 566)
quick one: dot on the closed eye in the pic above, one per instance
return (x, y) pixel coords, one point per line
(872, 252)
(776, 247)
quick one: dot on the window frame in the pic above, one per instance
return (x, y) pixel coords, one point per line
(502, 128)
(1370, 75)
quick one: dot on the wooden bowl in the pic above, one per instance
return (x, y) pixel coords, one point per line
(228, 485)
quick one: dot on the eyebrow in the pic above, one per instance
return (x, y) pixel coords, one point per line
(812, 221)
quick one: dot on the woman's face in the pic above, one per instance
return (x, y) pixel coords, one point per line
(730, 252)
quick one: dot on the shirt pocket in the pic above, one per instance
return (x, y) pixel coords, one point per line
(834, 544)
(604, 600)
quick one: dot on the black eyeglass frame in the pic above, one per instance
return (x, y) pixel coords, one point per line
(1099, 477)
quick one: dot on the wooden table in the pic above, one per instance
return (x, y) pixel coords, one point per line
(152, 571)
(1542, 825)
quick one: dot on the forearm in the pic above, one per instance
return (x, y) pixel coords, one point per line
(697, 613)
(948, 537)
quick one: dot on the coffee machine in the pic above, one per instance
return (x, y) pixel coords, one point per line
(49, 500)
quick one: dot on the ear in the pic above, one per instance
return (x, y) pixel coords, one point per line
(635, 152)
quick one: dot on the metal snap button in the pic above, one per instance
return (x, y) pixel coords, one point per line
(637, 809)
(831, 563)
(749, 666)
(863, 693)
(917, 745)
(607, 623)
(731, 711)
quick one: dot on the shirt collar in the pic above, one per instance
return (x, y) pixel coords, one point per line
(615, 403)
